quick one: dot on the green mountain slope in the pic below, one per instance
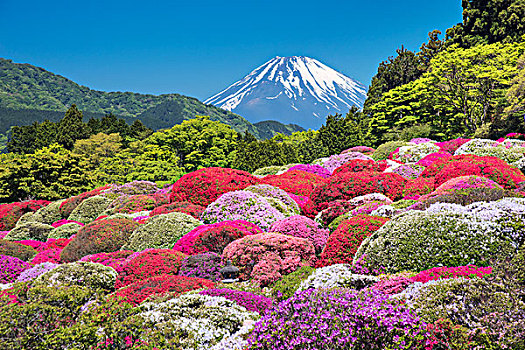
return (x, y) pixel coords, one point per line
(33, 92)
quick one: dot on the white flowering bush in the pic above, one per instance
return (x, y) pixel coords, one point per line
(161, 231)
(414, 153)
(278, 198)
(510, 151)
(419, 240)
(199, 321)
(80, 273)
(336, 276)
(90, 209)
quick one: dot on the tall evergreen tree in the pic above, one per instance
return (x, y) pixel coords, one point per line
(71, 128)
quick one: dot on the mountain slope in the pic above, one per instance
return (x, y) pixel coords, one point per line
(24, 87)
(293, 89)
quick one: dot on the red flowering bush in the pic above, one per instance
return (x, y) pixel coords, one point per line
(491, 167)
(432, 157)
(343, 243)
(113, 259)
(99, 236)
(298, 182)
(54, 244)
(444, 272)
(309, 209)
(11, 212)
(214, 237)
(333, 210)
(349, 185)
(182, 207)
(418, 187)
(159, 285)
(139, 202)
(266, 257)
(71, 203)
(358, 165)
(204, 186)
(153, 262)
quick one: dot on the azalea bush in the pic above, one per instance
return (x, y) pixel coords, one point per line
(336, 276)
(335, 161)
(252, 302)
(11, 212)
(67, 206)
(35, 271)
(84, 274)
(312, 168)
(358, 165)
(298, 182)
(278, 198)
(106, 235)
(469, 271)
(89, 209)
(287, 286)
(139, 202)
(29, 230)
(265, 258)
(302, 227)
(204, 186)
(205, 265)
(113, 259)
(11, 268)
(181, 207)
(17, 250)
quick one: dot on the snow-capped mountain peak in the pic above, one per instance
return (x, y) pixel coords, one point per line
(294, 89)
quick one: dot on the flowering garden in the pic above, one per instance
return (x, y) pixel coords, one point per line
(418, 247)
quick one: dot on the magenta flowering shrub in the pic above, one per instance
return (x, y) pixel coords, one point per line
(393, 284)
(35, 271)
(432, 157)
(11, 268)
(462, 183)
(345, 319)
(361, 149)
(266, 257)
(333, 162)
(252, 302)
(468, 271)
(302, 227)
(205, 265)
(242, 205)
(64, 221)
(30, 243)
(300, 200)
(113, 259)
(312, 168)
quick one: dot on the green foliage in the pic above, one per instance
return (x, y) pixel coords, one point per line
(259, 154)
(487, 22)
(50, 173)
(285, 288)
(382, 152)
(84, 274)
(338, 133)
(18, 250)
(90, 209)
(64, 231)
(29, 230)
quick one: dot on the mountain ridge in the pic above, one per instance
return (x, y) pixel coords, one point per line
(28, 88)
(293, 89)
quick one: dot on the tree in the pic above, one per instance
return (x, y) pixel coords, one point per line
(429, 50)
(98, 147)
(338, 133)
(259, 154)
(71, 128)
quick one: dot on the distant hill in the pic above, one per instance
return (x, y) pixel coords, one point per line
(29, 93)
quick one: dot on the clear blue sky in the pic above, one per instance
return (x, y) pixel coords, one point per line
(197, 48)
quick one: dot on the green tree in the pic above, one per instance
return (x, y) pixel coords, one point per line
(98, 147)
(429, 50)
(71, 128)
(258, 154)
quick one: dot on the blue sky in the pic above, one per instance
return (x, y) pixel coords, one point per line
(198, 48)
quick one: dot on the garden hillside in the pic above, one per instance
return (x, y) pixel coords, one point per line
(410, 245)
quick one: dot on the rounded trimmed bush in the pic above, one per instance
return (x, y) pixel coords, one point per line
(242, 205)
(287, 286)
(11, 268)
(302, 227)
(35, 271)
(107, 235)
(408, 171)
(298, 182)
(266, 257)
(359, 165)
(346, 239)
(17, 250)
(312, 168)
(138, 202)
(10, 213)
(29, 230)
(68, 205)
(158, 285)
(432, 157)
(181, 207)
(335, 161)
(250, 301)
(152, 262)
(48, 214)
(415, 241)
(414, 153)
(113, 259)
(336, 276)
(65, 231)
(90, 209)
(382, 152)
(205, 265)
(204, 186)
(418, 187)
(84, 274)
(277, 197)
(161, 231)
(131, 188)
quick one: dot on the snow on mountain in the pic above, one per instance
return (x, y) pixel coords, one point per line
(297, 89)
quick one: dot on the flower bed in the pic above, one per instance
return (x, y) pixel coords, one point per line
(11, 212)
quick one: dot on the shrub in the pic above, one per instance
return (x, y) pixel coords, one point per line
(48, 214)
(157, 285)
(89, 209)
(252, 302)
(418, 187)
(67, 206)
(346, 239)
(268, 170)
(461, 183)
(204, 186)
(17, 250)
(452, 145)
(181, 207)
(393, 284)
(415, 241)
(113, 259)
(278, 198)
(138, 203)
(444, 272)
(35, 271)
(214, 237)
(336, 276)
(154, 262)
(29, 230)
(464, 197)
(161, 231)
(131, 189)
(84, 274)
(361, 149)
(242, 205)
(365, 209)
(382, 152)
(414, 153)
(51, 255)
(409, 171)
(432, 157)
(266, 257)
(205, 265)
(335, 161)
(349, 185)
(10, 213)
(106, 235)
(298, 182)
(458, 169)
(11, 268)
(65, 231)
(313, 169)
(359, 165)
(302, 227)
(287, 286)
(352, 320)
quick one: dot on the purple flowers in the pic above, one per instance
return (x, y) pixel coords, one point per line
(252, 302)
(312, 168)
(302, 227)
(205, 265)
(11, 268)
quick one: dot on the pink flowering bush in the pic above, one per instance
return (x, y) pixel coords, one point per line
(252, 302)
(393, 284)
(312, 168)
(361, 149)
(333, 162)
(35, 271)
(11, 268)
(113, 259)
(267, 257)
(64, 221)
(432, 157)
(205, 265)
(444, 272)
(302, 227)
(452, 145)
(462, 183)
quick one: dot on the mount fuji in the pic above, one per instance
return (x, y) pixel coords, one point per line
(297, 89)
